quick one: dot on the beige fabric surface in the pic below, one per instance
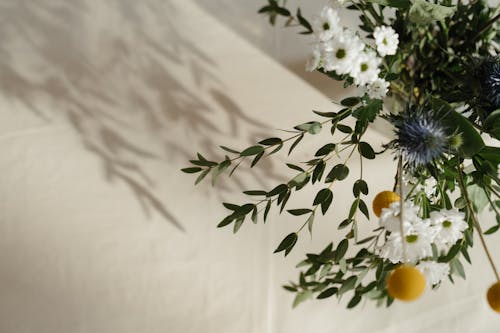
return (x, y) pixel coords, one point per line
(101, 104)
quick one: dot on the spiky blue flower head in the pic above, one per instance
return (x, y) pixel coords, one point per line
(490, 81)
(421, 137)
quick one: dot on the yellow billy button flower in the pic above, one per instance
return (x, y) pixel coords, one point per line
(406, 283)
(383, 200)
(493, 297)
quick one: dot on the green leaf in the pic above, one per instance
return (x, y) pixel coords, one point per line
(347, 285)
(403, 4)
(255, 215)
(322, 195)
(191, 170)
(229, 150)
(201, 176)
(325, 204)
(424, 12)
(227, 220)
(254, 150)
(344, 128)
(363, 208)
(257, 159)
(294, 167)
(455, 122)
(339, 172)
(328, 293)
(354, 301)
(300, 180)
(350, 101)
(360, 186)
(257, 192)
(326, 114)
(298, 212)
(203, 163)
(318, 171)
(341, 250)
(310, 222)
(271, 141)
(243, 210)
(230, 206)
(295, 143)
(278, 190)
(325, 150)
(492, 230)
(220, 169)
(303, 22)
(287, 243)
(492, 124)
(301, 297)
(266, 210)
(366, 150)
(237, 224)
(312, 127)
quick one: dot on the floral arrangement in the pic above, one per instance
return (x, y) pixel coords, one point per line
(435, 66)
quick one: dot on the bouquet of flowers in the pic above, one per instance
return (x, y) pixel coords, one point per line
(435, 65)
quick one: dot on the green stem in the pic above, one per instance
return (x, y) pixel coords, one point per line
(474, 220)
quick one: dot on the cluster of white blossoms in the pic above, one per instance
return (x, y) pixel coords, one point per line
(443, 229)
(340, 50)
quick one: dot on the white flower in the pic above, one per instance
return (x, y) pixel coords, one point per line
(386, 40)
(378, 89)
(365, 69)
(449, 226)
(314, 59)
(429, 187)
(389, 218)
(326, 26)
(418, 239)
(434, 272)
(341, 52)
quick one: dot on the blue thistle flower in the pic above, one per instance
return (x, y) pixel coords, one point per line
(421, 138)
(490, 81)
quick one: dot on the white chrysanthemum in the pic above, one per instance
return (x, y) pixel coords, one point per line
(434, 272)
(365, 69)
(378, 88)
(429, 187)
(341, 52)
(387, 40)
(327, 25)
(411, 184)
(418, 239)
(449, 226)
(389, 218)
(314, 59)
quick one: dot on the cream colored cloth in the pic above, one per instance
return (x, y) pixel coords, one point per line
(101, 104)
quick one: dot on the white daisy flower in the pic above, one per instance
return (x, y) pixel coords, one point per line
(327, 25)
(378, 89)
(389, 218)
(386, 39)
(341, 52)
(449, 226)
(365, 69)
(314, 60)
(434, 272)
(418, 241)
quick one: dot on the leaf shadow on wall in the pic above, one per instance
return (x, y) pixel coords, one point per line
(132, 85)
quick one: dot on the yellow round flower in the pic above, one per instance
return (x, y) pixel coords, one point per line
(383, 200)
(406, 283)
(493, 296)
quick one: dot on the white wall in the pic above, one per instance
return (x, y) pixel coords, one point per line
(101, 104)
